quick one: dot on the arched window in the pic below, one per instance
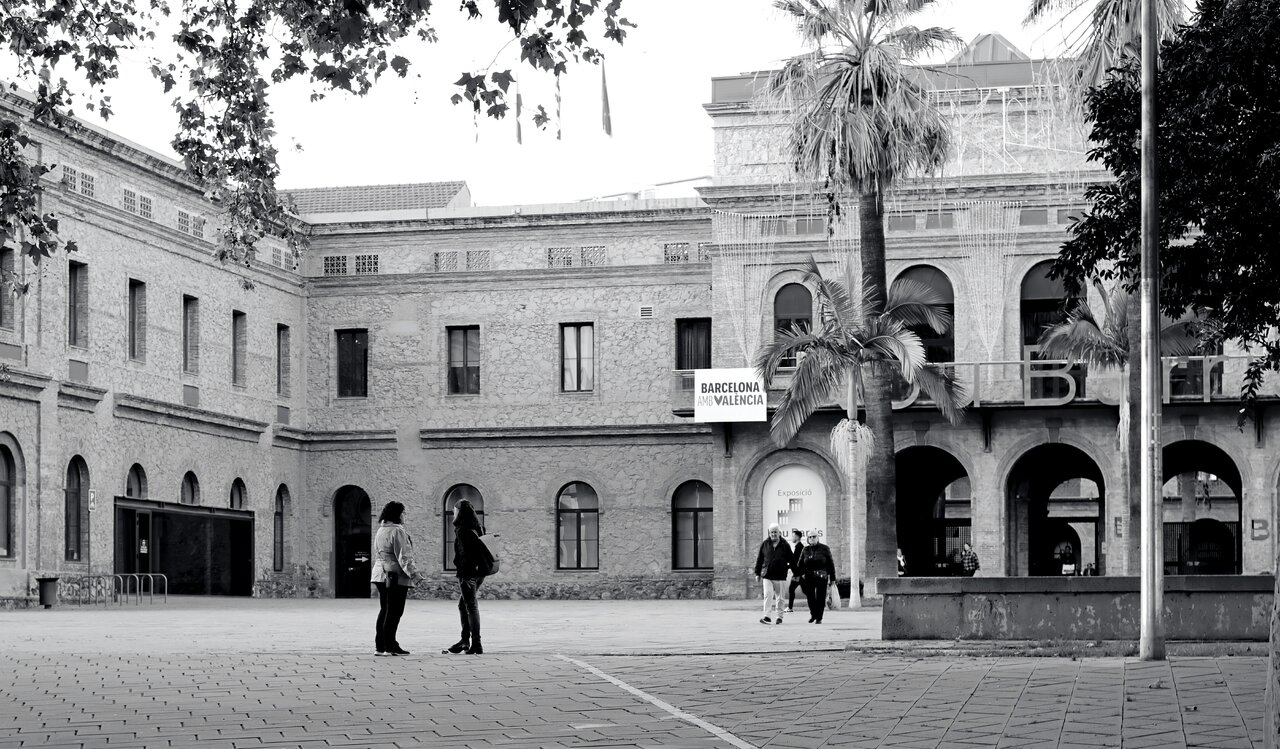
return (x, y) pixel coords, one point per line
(1044, 303)
(7, 483)
(451, 497)
(792, 310)
(236, 501)
(277, 529)
(76, 514)
(135, 484)
(190, 489)
(691, 527)
(577, 528)
(938, 346)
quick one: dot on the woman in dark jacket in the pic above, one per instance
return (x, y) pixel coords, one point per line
(816, 569)
(471, 559)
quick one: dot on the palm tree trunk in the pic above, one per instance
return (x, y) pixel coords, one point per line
(882, 502)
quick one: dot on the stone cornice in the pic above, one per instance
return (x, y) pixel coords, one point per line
(20, 384)
(473, 224)
(151, 411)
(80, 397)
(620, 275)
(352, 439)
(560, 436)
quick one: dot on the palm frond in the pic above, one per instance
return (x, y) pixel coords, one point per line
(915, 42)
(1181, 339)
(939, 382)
(1080, 338)
(1041, 8)
(915, 303)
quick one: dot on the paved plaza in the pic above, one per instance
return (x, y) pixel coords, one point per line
(262, 673)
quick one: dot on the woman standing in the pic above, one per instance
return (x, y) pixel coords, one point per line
(816, 569)
(471, 559)
(393, 574)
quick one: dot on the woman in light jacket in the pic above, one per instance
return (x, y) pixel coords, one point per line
(394, 574)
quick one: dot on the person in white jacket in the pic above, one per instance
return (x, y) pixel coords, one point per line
(394, 573)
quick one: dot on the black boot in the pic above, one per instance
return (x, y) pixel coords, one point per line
(475, 648)
(460, 645)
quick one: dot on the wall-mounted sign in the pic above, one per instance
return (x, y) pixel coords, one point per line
(729, 395)
(795, 498)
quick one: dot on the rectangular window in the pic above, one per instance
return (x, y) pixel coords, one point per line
(130, 200)
(70, 177)
(335, 265)
(595, 255)
(940, 220)
(464, 360)
(693, 343)
(282, 360)
(184, 221)
(901, 222)
(446, 262)
(277, 257)
(86, 184)
(366, 265)
(239, 344)
(197, 227)
(144, 206)
(190, 334)
(559, 257)
(353, 363)
(1033, 216)
(704, 252)
(137, 320)
(477, 260)
(8, 279)
(577, 357)
(78, 304)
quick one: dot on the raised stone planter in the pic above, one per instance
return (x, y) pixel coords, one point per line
(1196, 607)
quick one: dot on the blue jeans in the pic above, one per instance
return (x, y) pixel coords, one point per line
(468, 610)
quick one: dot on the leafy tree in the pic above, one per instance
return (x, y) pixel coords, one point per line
(1219, 144)
(854, 332)
(220, 59)
(858, 122)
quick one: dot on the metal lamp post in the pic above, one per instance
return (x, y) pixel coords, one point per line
(1151, 642)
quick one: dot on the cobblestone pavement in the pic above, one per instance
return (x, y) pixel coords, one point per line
(295, 674)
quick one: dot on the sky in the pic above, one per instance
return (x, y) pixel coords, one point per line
(406, 131)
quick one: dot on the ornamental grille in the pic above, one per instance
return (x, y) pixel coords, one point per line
(559, 257)
(144, 206)
(704, 252)
(335, 265)
(130, 200)
(675, 252)
(184, 221)
(594, 255)
(366, 265)
(86, 184)
(446, 262)
(478, 260)
(277, 257)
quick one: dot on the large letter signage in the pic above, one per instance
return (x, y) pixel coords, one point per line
(728, 395)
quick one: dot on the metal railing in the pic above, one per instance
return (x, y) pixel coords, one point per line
(1033, 381)
(112, 587)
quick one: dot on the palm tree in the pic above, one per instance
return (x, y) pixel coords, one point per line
(1114, 31)
(1109, 343)
(858, 121)
(852, 335)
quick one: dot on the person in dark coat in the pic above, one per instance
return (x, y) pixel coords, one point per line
(796, 546)
(817, 569)
(471, 559)
(772, 564)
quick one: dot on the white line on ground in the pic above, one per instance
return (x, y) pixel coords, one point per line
(716, 731)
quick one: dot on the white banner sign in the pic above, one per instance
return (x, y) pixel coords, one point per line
(729, 395)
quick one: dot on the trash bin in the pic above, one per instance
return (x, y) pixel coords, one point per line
(48, 591)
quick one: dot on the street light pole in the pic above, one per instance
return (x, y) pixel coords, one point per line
(1151, 642)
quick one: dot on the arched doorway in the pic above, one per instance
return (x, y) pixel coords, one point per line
(934, 515)
(1055, 498)
(1201, 510)
(352, 542)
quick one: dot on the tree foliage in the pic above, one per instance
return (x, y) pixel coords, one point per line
(1219, 153)
(220, 59)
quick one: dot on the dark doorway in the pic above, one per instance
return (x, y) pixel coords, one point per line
(1201, 510)
(352, 542)
(934, 510)
(1056, 496)
(200, 550)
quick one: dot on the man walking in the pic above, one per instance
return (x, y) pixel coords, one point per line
(772, 563)
(968, 561)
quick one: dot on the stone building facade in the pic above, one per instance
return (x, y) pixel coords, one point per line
(154, 409)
